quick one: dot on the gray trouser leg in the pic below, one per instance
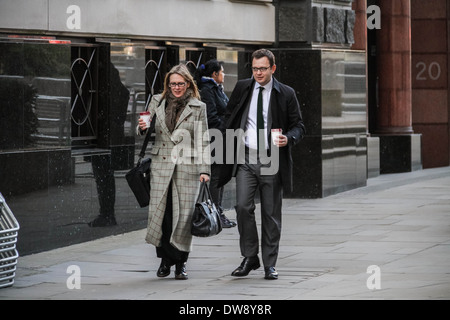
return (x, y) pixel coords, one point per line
(271, 198)
(248, 181)
(246, 185)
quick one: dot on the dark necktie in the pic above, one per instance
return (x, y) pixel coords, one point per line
(260, 118)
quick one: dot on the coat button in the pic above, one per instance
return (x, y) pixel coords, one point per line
(164, 158)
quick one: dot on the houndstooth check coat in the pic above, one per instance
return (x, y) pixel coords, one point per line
(180, 157)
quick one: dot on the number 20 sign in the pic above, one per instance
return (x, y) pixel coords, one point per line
(432, 71)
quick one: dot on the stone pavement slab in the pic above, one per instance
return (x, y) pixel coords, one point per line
(389, 240)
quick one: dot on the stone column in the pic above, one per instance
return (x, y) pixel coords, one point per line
(430, 82)
(400, 148)
(360, 29)
(394, 114)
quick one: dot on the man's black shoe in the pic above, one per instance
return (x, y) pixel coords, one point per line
(271, 273)
(247, 265)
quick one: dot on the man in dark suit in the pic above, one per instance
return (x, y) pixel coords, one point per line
(257, 106)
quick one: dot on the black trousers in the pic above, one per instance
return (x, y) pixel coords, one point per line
(249, 180)
(168, 252)
(216, 192)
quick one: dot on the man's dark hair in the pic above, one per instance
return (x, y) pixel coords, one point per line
(261, 53)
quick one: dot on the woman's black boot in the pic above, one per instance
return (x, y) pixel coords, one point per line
(164, 269)
(180, 271)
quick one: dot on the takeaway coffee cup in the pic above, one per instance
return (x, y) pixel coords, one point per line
(146, 117)
(275, 134)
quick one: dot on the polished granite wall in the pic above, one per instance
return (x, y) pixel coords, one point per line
(331, 89)
(53, 184)
(35, 116)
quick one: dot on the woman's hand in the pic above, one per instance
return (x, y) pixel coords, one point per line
(142, 124)
(204, 177)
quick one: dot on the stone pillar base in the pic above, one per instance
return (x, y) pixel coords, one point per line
(400, 153)
(373, 157)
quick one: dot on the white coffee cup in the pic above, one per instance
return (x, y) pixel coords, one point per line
(275, 135)
(146, 117)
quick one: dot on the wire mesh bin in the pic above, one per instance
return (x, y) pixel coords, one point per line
(9, 229)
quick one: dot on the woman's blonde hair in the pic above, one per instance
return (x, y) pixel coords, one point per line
(183, 71)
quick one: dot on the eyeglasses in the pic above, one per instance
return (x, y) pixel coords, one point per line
(177, 84)
(262, 69)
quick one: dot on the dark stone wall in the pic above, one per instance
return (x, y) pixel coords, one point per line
(307, 22)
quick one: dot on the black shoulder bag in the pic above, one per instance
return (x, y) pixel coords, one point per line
(205, 220)
(138, 178)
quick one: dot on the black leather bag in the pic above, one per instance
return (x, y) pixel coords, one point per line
(138, 178)
(205, 220)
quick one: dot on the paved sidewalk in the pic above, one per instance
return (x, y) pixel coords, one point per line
(394, 233)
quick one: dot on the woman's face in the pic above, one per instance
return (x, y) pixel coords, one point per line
(219, 76)
(178, 85)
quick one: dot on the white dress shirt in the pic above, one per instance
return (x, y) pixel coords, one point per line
(251, 126)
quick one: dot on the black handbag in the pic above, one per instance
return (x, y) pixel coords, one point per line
(138, 178)
(205, 220)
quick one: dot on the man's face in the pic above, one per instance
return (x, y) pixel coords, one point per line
(262, 71)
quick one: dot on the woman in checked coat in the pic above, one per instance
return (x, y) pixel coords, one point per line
(180, 159)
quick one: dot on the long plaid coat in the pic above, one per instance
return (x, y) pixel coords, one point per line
(180, 157)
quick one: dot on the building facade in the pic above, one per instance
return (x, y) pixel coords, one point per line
(74, 76)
